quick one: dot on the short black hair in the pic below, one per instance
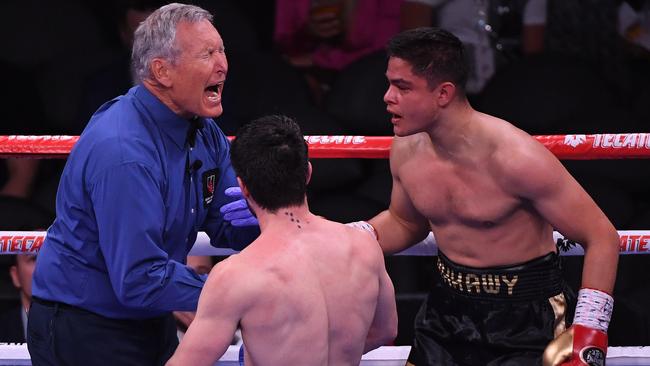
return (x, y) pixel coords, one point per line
(434, 54)
(269, 155)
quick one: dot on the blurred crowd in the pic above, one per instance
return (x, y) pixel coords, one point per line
(547, 66)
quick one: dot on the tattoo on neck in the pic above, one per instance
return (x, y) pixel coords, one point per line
(290, 215)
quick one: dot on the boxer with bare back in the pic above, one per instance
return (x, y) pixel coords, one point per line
(307, 291)
(492, 196)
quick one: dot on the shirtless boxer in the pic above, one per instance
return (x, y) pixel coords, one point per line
(492, 196)
(308, 291)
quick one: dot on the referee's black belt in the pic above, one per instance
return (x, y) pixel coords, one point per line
(58, 305)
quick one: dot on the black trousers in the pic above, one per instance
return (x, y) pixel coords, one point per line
(60, 334)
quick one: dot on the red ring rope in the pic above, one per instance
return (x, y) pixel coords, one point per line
(573, 147)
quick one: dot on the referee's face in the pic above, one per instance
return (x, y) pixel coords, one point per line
(198, 75)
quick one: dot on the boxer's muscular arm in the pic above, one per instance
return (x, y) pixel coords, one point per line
(220, 308)
(540, 178)
(401, 226)
(383, 328)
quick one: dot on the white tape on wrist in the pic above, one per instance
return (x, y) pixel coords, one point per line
(365, 226)
(594, 309)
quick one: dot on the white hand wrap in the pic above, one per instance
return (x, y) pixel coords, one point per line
(365, 226)
(594, 309)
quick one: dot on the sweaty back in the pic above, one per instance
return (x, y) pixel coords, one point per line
(322, 287)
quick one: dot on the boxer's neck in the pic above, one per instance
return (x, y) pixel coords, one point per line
(286, 218)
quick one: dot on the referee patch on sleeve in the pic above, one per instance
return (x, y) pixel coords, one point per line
(209, 179)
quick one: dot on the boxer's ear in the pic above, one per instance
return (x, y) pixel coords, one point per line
(309, 170)
(446, 93)
(244, 189)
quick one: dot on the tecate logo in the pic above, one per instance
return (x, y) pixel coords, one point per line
(574, 140)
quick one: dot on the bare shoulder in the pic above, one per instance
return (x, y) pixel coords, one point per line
(235, 272)
(518, 159)
(364, 245)
(222, 271)
(404, 147)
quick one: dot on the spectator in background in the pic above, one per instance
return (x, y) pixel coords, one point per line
(634, 22)
(606, 36)
(585, 30)
(18, 175)
(321, 37)
(21, 175)
(116, 77)
(17, 214)
(14, 319)
(494, 32)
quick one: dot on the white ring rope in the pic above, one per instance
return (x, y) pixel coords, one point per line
(26, 242)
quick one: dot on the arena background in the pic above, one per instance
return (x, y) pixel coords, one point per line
(58, 55)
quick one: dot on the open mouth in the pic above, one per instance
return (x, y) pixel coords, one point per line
(394, 117)
(213, 92)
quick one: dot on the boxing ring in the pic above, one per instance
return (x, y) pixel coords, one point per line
(569, 147)
(16, 354)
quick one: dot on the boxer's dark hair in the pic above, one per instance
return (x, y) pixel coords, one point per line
(269, 155)
(434, 53)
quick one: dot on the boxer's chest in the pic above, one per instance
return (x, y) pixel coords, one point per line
(448, 193)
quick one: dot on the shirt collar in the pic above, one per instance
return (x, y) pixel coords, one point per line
(173, 125)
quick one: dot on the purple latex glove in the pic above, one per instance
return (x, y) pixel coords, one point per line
(237, 212)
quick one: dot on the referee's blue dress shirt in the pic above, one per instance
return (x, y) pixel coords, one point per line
(131, 199)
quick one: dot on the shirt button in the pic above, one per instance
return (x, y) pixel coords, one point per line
(192, 210)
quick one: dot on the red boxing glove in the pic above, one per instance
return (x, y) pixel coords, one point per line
(578, 346)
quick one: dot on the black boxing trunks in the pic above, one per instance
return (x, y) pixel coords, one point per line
(491, 316)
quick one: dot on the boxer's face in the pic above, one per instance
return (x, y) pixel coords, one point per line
(409, 99)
